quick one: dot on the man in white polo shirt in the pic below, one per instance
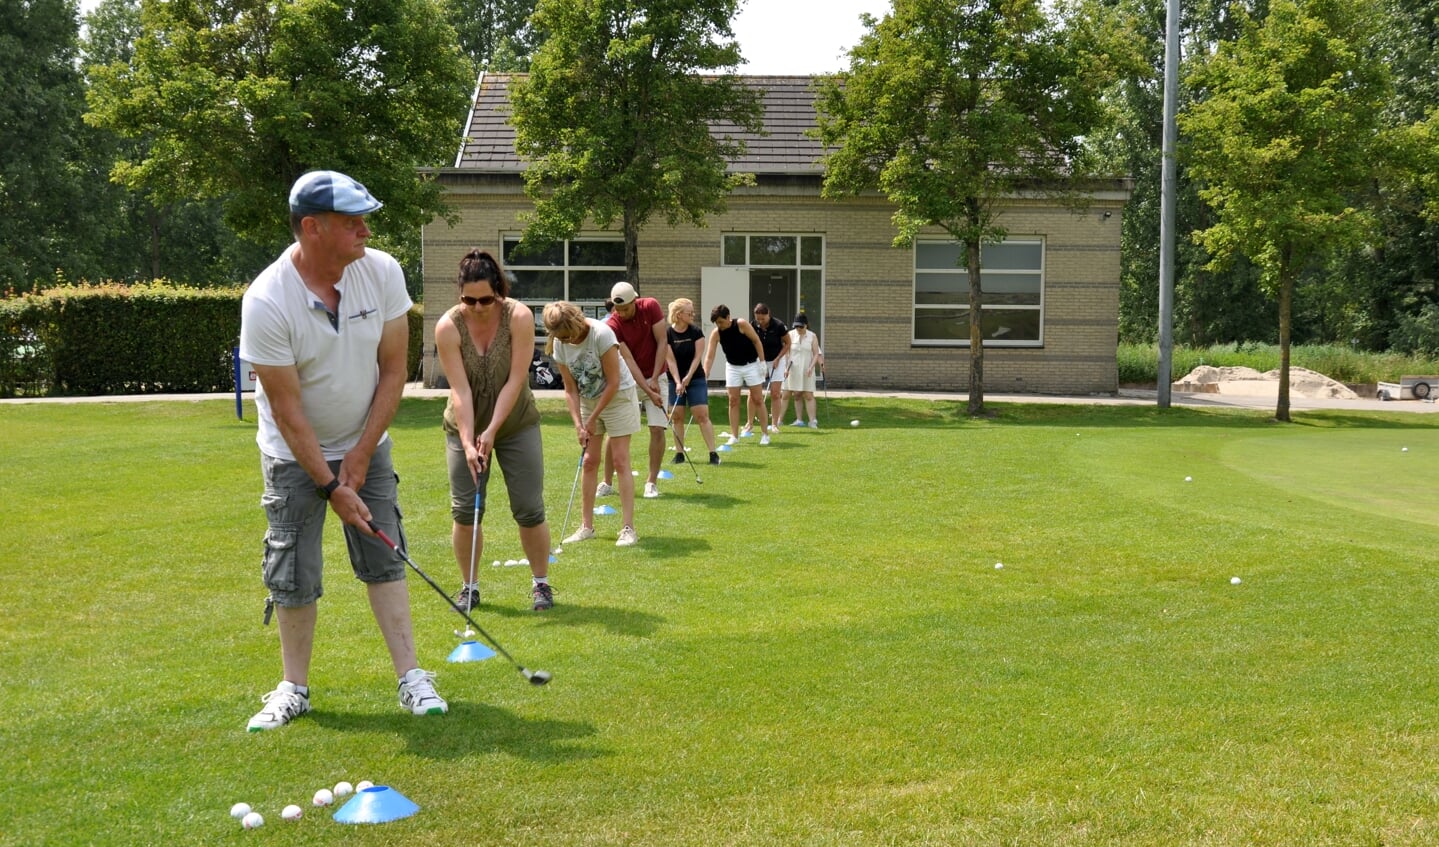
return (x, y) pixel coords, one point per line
(326, 329)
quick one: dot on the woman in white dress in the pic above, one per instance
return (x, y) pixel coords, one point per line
(805, 356)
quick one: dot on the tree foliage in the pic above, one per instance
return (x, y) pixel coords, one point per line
(1283, 138)
(42, 142)
(237, 98)
(615, 116)
(495, 34)
(954, 108)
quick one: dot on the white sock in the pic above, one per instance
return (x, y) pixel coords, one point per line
(541, 580)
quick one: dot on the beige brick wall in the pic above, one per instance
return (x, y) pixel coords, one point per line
(868, 284)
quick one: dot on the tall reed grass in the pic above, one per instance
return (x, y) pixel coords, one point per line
(1139, 363)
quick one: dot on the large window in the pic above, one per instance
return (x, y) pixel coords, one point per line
(581, 270)
(1011, 302)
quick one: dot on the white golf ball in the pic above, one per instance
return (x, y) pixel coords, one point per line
(239, 810)
(292, 812)
(854, 423)
(999, 566)
(469, 633)
(525, 562)
(252, 821)
(495, 563)
(1403, 449)
(509, 563)
(559, 550)
(1189, 479)
(323, 797)
(363, 784)
(345, 789)
(1234, 580)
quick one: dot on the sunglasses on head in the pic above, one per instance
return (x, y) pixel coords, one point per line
(478, 301)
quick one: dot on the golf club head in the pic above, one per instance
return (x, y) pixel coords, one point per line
(536, 677)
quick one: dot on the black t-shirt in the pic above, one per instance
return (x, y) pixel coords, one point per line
(683, 343)
(771, 337)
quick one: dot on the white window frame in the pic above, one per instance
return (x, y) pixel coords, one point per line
(591, 306)
(916, 307)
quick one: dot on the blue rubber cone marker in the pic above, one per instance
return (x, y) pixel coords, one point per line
(605, 510)
(724, 448)
(666, 475)
(376, 804)
(470, 651)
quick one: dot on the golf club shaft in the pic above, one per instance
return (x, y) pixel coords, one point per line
(564, 531)
(669, 422)
(440, 591)
(475, 533)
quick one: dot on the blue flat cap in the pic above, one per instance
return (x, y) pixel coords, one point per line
(331, 191)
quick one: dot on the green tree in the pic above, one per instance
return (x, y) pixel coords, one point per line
(615, 117)
(1286, 131)
(953, 108)
(237, 98)
(41, 142)
(495, 34)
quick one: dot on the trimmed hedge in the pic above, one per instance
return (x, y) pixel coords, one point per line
(98, 340)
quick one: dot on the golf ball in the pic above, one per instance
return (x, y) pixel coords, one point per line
(363, 784)
(999, 566)
(345, 789)
(1234, 580)
(239, 810)
(495, 563)
(252, 821)
(854, 423)
(1189, 479)
(323, 797)
(1403, 449)
(559, 550)
(509, 563)
(292, 812)
(525, 562)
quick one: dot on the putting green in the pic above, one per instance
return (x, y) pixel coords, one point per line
(1364, 470)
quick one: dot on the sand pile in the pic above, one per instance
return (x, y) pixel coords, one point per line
(1303, 382)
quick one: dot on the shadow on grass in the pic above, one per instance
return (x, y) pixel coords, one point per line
(618, 621)
(472, 728)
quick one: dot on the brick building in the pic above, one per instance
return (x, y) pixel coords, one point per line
(888, 318)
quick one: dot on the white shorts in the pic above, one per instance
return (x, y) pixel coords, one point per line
(739, 376)
(776, 376)
(654, 415)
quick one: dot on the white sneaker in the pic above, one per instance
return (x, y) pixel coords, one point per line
(417, 693)
(651, 491)
(731, 441)
(814, 424)
(774, 430)
(627, 537)
(584, 533)
(282, 705)
(763, 440)
(604, 489)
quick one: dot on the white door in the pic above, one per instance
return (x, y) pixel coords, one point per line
(729, 286)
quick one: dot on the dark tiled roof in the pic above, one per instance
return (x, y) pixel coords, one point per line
(489, 146)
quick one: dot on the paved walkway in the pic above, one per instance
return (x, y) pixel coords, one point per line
(1125, 397)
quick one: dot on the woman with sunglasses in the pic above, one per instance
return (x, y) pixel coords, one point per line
(485, 344)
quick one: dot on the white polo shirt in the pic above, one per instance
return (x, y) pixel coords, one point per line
(336, 355)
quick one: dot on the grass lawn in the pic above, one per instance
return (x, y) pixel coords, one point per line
(814, 647)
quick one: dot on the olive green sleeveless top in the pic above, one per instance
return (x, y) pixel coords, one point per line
(487, 374)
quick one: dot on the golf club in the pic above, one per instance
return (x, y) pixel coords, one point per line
(474, 548)
(564, 531)
(669, 422)
(535, 677)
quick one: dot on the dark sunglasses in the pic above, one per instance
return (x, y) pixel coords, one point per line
(478, 301)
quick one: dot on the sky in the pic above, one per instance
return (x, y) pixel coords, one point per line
(787, 37)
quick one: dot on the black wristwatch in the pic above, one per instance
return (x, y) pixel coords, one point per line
(329, 488)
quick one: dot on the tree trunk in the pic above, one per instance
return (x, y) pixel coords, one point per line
(632, 252)
(976, 332)
(1286, 300)
(153, 219)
